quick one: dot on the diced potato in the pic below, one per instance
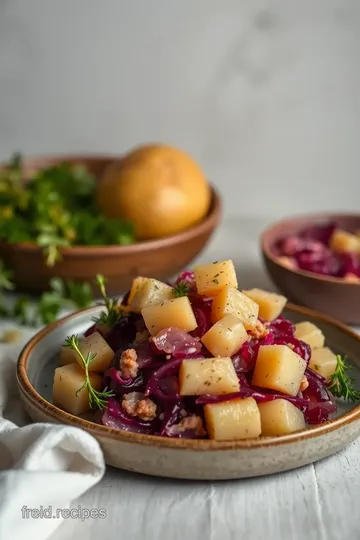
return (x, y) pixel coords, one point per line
(135, 287)
(177, 312)
(351, 278)
(279, 368)
(67, 356)
(341, 241)
(151, 293)
(233, 420)
(230, 300)
(323, 361)
(310, 334)
(270, 304)
(211, 278)
(287, 262)
(96, 344)
(208, 376)
(226, 336)
(67, 381)
(280, 417)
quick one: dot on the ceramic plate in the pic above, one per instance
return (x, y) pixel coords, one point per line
(191, 459)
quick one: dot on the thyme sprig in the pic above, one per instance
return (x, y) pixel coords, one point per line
(97, 400)
(341, 384)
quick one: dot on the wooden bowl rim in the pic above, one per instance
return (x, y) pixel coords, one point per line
(40, 403)
(267, 251)
(208, 223)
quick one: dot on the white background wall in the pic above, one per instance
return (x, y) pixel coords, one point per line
(265, 95)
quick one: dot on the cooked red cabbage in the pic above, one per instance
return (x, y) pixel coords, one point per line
(177, 342)
(309, 250)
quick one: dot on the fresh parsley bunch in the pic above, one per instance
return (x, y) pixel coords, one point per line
(56, 208)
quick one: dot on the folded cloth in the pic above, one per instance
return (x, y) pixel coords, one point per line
(43, 467)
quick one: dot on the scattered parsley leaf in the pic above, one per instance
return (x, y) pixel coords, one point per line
(5, 278)
(62, 295)
(80, 293)
(340, 384)
(97, 400)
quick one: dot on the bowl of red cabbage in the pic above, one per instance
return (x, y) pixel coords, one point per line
(315, 261)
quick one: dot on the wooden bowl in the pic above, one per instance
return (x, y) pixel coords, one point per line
(195, 459)
(331, 295)
(120, 264)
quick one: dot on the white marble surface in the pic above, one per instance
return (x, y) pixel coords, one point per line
(316, 502)
(264, 93)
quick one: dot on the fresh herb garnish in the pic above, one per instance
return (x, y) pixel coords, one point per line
(55, 208)
(97, 400)
(5, 278)
(181, 289)
(341, 384)
(112, 313)
(61, 295)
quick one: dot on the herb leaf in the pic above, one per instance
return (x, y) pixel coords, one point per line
(56, 208)
(62, 295)
(181, 289)
(112, 313)
(341, 384)
(97, 400)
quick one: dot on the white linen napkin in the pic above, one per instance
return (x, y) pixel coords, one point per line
(43, 467)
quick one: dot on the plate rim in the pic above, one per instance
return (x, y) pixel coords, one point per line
(29, 393)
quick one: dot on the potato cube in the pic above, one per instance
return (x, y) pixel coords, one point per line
(323, 361)
(151, 293)
(135, 287)
(343, 241)
(226, 336)
(230, 300)
(96, 344)
(310, 334)
(177, 312)
(67, 356)
(270, 304)
(208, 376)
(280, 417)
(278, 368)
(67, 381)
(233, 420)
(211, 278)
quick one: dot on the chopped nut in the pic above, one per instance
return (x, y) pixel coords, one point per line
(128, 364)
(193, 423)
(260, 331)
(304, 384)
(135, 404)
(141, 337)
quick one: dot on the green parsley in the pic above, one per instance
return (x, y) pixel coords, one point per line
(97, 400)
(60, 296)
(55, 209)
(181, 289)
(341, 384)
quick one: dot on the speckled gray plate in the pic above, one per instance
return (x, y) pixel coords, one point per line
(191, 459)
